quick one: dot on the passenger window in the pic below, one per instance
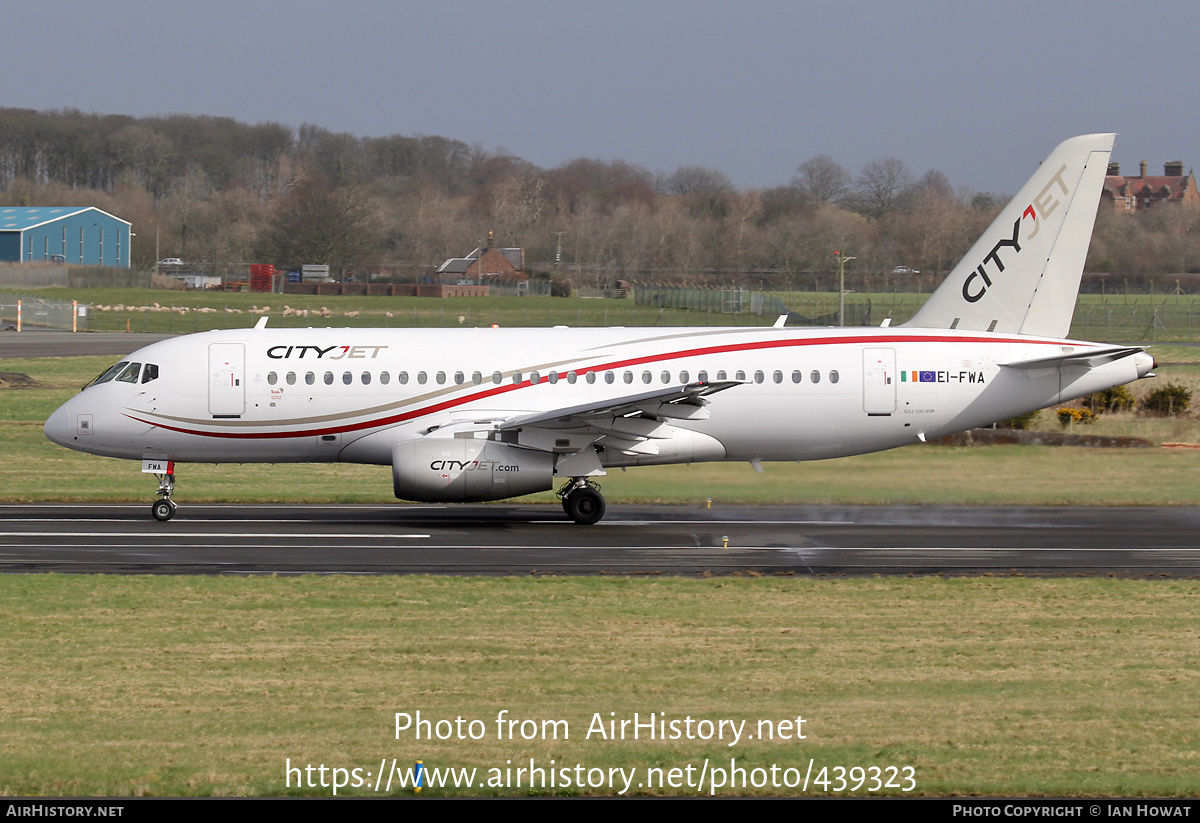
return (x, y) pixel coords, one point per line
(778, 376)
(721, 375)
(497, 378)
(759, 376)
(666, 377)
(702, 376)
(403, 378)
(476, 378)
(517, 377)
(310, 378)
(552, 377)
(422, 377)
(149, 373)
(683, 377)
(796, 376)
(647, 377)
(815, 376)
(534, 378)
(459, 378)
(628, 376)
(741, 375)
(272, 378)
(366, 378)
(347, 378)
(572, 377)
(590, 377)
(328, 378)
(384, 378)
(441, 378)
(834, 376)
(609, 377)
(291, 378)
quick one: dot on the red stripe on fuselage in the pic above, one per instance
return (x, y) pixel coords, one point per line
(619, 364)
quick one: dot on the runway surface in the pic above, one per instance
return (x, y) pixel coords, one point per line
(631, 540)
(53, 343)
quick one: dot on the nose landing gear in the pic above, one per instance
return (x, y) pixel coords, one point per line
(582, 501)
(164, 508)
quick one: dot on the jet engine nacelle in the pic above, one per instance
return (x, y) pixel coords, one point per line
(465, 470)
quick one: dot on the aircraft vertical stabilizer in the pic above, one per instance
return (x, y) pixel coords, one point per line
(1022, 276)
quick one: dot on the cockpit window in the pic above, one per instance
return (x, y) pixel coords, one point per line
(109, 374)
(130, 373)
(126, 372)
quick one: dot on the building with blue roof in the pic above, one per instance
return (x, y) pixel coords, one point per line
(77, 235)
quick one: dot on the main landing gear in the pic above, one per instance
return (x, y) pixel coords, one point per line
(164, 508)
(582, 501)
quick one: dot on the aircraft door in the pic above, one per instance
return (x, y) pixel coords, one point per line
(226, 379)
(879, 381)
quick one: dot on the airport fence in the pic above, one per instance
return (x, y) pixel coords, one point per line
(20, 312)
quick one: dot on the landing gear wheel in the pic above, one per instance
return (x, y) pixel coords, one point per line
(584, 505)
(163, 509)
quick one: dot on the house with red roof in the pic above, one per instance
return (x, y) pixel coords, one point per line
(1127, 195)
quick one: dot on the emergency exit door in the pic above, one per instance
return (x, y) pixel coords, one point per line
(226, 379)
(879, 381)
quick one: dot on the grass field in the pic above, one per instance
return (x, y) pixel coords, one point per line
(1113, 317)
(198, 686)
(233, 310)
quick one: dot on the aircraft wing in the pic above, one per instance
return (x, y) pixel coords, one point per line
(674, 402)
(1085, 359)
(633, 424)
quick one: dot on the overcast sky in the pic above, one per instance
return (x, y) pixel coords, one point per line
(981, 91)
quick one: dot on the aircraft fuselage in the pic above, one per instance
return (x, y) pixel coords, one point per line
(314, 395)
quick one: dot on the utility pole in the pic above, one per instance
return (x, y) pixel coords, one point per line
(558, 251)
(841, 258)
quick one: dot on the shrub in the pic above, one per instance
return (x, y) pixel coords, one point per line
(1118, 398)
(560, 287)
(1171, 399)
(1069, 416)
(1020, 422)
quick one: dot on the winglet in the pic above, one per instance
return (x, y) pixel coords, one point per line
(1022, 276)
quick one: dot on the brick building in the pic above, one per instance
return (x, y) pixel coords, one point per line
(483, 266)
(1126, 195)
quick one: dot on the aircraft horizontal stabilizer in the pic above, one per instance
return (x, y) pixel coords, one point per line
(1089, 359)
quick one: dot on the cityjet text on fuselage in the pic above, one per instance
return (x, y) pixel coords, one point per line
(1044, 205)
(324, 352)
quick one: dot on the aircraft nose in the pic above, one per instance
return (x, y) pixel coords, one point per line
(58, 426)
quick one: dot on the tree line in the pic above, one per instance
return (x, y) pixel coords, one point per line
(224, 193)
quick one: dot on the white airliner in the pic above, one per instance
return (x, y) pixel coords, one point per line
(470, 415)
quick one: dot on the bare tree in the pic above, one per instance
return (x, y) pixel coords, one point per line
(883, 186)
(822, 179)
(696, 180)
(316, 222)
